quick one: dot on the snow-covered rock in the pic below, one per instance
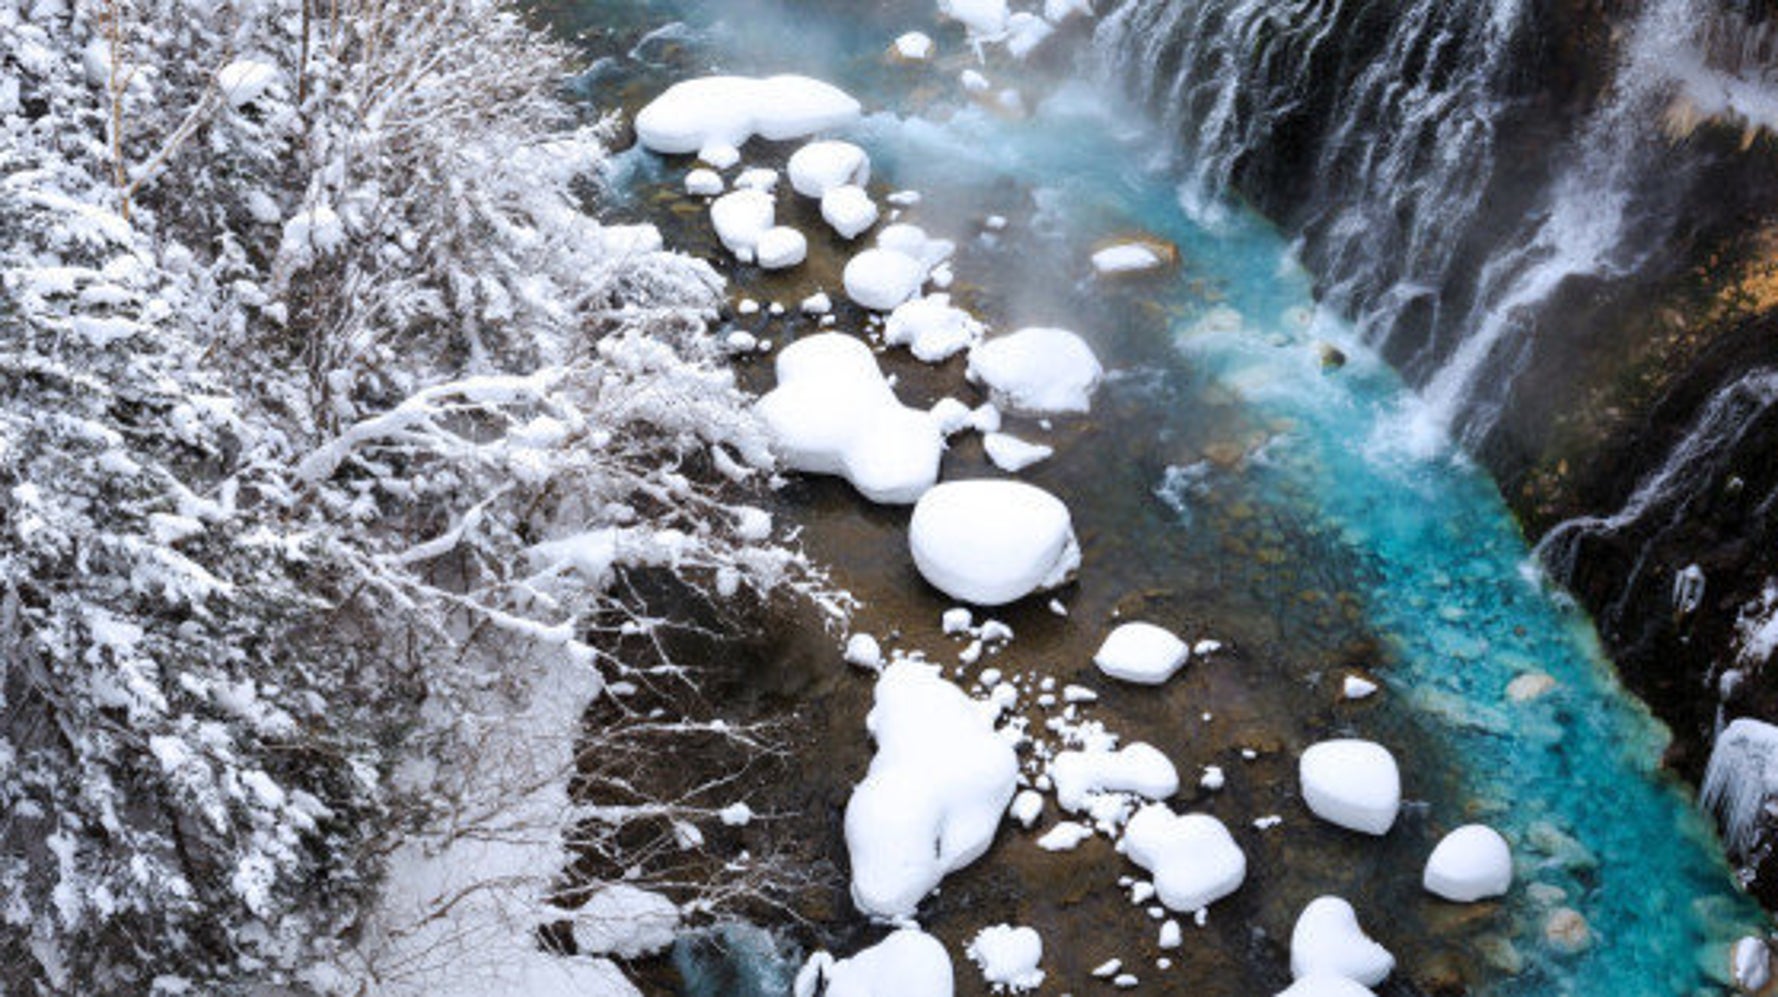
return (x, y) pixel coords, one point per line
(719, 155)
(1357, 687)
(1011, 454)
(1065, 836)
(931, 328)
(849, 210)
(864, 651)
(881, 279)
(1352, 783)
(1327, 941)
(780, 248)
(626, 922)
(1142, 653)
(937, 787)
(833, 413)
(1008, 957)
(741, 217)
(915, 46)
(1025, 31)
(1471, 863)
(1037, 370)
(1137, 768)
(917, 243)
(1193, 858)
(908, 963)
(760, 178)
(1326, 985)
(703, 183)
(985, 19)
(1126, 258)
(1750, 964)
(819, 167)
(732, 109)
(992, 542)
(1057, 11)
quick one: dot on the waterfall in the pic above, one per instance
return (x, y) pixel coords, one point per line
(1395, 138)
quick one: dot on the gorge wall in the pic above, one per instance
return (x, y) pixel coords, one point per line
(1560, 221)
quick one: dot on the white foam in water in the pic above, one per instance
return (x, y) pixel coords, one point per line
(1328, 941)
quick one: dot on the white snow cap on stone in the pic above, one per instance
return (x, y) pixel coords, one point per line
(1142, 653)
(819, 167)
(915, 46)
(703, 183)
(1471, 863)
(833, 413)
(1011, 454)
(908, 963)
(780, 248)
(914, 241)
(245, 80)
(1037, 370)
(935, 793)
(741, 217)
(931, 328)
(1008, 957)
(864, 651)
(992, 542)
(984, 18)
(1025, 31)
(849, 210)
(1352, 783)
(625, 921)
(1325, 985)
(1328, 941)
(881, 279)
(1057, 11)
(1193, 858)
(1126, 258)
(732, 109)
(1136, 768)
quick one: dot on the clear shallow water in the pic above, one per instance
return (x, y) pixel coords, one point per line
(1226, 356)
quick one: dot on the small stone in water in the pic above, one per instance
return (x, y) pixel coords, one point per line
(1057, 608)
(1529, 686)
(1171, 935)
(1356, 687)
(1268, 822)
(1213, 778)
(1752, 964)
(1108, 968)
(748, 306)
(864, 651)
(1566, 931)
(1125, 981)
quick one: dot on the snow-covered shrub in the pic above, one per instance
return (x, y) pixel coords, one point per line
(326, 416)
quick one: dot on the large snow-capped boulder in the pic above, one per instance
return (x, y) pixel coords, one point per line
(1037, 370)
(833, 413)
(1471, 863)
(908, 963)
(1142, 653)
(1193, 858)
(1352, 783)
(1328, 941)
(729, 110)
(991, 542)
(937, 787)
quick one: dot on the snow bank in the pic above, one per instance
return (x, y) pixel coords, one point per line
(729, 110)
(935, 792)
(1142, 653)
(1137, 768)
(931, 328)
(1471, 863)
(992, 542)
(1327, 941)
(833, 413)
(1352, 783)
(1193, 858)
(1008, 957)
(819, 167)
(908, 963)
(1037, 370)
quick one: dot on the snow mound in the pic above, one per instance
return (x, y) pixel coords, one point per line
(931, 328)
(780, 248)
(1037, 370)
(1008, 957)
(992, 542)
(1352, 783)
(819, 167)
(1193, 858)
(833, 413)
(729, 110)
(935, 792)
(849, 211)
(741, 218)
(908, 963)
(1471, 863)
(1137, 768)
(1142, 653)
(1327, 941)
(1324, 985)
(881, 279)
(1011, 454)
